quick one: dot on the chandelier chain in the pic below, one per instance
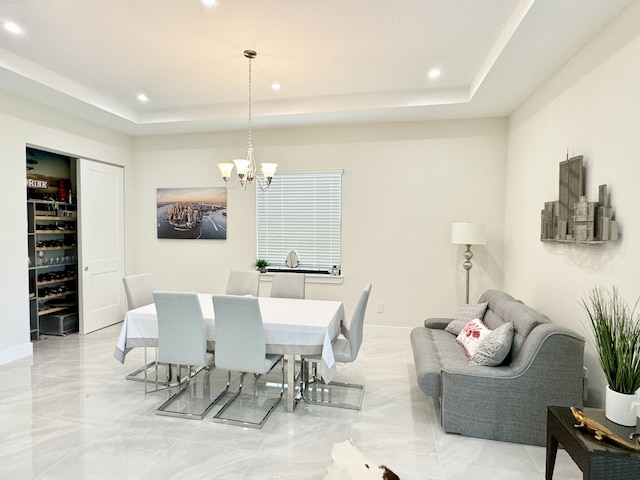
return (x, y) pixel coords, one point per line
(250, 142)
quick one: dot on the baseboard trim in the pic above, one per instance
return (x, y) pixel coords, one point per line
(16, 353)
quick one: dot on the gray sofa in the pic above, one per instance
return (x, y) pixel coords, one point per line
(506, 402)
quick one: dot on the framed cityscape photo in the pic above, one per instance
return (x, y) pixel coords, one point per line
(192, 213)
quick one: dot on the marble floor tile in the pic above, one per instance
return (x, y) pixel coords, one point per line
(68, 413)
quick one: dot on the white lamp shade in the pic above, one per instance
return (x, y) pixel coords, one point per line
(469, 233)
(242, 166)
(225, 169)
(269, 169)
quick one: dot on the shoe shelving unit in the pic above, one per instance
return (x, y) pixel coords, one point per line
(53, 271)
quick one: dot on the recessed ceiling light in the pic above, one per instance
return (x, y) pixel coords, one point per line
(276, 87)
(143, 98)
(13, 28)
(434, 73)
(210, 3)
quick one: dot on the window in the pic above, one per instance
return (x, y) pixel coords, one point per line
(301, 212)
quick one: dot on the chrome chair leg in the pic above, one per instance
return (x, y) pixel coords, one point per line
(135, 375)
(315, 383)
(167, 383)
(230, 401)
(242, 423)
(183, 384)
(304, 382)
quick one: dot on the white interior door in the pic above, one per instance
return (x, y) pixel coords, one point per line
(101, 245)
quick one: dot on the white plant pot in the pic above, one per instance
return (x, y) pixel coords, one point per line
(620, 408)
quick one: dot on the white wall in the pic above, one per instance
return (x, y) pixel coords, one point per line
(23, 123)
(591, 108)
(403, 186)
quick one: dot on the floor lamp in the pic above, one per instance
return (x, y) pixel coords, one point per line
(468, 234)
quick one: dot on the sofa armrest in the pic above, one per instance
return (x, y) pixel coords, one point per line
(437, 323)
(558, 336)
(509, 403)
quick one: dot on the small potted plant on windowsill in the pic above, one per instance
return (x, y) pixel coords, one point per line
(616, 328)
(261, 265)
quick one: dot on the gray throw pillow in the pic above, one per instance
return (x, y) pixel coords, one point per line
(495, 347)
(465, 315)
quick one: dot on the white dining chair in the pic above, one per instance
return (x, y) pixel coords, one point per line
(182, 341)
(139, 292)
(241, 347)
(345, 350)
(243, 282)
(288, 285)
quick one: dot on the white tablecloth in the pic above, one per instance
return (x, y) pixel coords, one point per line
(291, 326)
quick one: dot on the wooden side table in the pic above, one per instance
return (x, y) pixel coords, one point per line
(598, 459)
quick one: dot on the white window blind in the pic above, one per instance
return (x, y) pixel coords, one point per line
(301, 212)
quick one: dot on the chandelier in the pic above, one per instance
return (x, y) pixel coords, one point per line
(246, 167)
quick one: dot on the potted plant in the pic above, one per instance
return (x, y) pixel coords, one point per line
(616, 328)
(261, 265)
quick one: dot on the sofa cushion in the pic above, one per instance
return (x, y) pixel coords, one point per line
(434, 349)
(503, 308)
(465, 314)
(472, 336)
(495, 347)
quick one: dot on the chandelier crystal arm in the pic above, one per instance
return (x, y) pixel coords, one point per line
(264, 185)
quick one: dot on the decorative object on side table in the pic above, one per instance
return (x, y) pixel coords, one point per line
(600, 432)
(261, 265)
(616, 328)
(597, 459)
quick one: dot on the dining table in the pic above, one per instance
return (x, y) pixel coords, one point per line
(292, 327)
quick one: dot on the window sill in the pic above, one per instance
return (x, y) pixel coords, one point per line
(309, 278)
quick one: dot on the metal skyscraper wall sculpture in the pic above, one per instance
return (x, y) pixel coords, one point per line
(572, 218)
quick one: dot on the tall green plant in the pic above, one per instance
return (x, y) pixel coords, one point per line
(616, 328)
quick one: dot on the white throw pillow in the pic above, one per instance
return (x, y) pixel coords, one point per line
(465, 314)
(495, 347)
(472, 335)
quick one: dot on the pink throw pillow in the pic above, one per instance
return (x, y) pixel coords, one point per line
(472, 335)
